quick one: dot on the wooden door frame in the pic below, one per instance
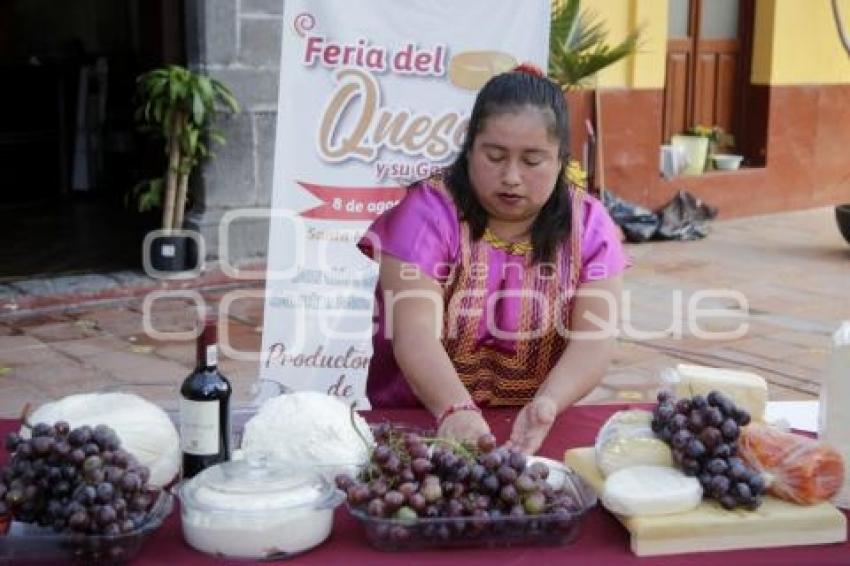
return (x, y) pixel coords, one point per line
(752, 101)
(694, 12)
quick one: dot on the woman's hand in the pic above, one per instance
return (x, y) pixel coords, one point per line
(532, 424)
(464, 426)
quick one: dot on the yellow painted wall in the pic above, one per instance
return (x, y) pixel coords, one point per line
(649, 63)
(797, 42)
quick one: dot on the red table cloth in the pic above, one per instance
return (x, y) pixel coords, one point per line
(601, 541)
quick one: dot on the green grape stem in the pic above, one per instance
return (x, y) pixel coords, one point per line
(458, 447)
(363, 439)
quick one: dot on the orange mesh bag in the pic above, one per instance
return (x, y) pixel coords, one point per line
(796, 468)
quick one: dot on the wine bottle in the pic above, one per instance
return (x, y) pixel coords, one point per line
(205, 406)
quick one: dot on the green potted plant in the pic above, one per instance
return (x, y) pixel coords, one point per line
(179, 106)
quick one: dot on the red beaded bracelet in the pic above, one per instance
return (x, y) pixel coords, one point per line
(452, 409)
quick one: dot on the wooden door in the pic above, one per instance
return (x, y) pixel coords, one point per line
(703, 66)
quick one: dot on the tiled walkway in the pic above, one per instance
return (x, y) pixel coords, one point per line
(792, 269)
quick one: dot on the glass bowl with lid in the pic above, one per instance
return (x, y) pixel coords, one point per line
(257, 508)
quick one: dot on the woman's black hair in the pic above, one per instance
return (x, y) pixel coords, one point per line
(506, 93)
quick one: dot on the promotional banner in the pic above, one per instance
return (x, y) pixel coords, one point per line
(374, 94)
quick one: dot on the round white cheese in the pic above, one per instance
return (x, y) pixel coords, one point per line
(650, 490)
(310, 428)
(626, 439)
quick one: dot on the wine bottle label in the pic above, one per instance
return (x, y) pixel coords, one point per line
(199, 427)
(212, 355)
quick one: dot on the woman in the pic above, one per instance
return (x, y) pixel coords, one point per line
(488, 274)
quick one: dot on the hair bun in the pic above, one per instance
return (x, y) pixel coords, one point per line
(529, 69)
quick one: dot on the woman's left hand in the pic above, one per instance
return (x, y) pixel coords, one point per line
(532, 424)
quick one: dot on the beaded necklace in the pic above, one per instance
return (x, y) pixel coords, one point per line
(513, 248)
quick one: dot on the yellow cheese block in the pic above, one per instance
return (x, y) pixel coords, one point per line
(709, 527)
(746, 389)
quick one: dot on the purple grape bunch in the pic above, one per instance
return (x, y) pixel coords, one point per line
(468, 491)
(703, 434)
(79, 481)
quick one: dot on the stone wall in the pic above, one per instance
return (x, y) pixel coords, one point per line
(237, 42)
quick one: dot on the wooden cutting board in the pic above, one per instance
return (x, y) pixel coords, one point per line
(709, 527)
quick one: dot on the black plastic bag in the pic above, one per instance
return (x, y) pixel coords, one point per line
(685, 217)
(639, 224)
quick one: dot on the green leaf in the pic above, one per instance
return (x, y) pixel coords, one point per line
(206, 89)
(225, 95)
(178, 92)
(191, 141)
(158, 110)
(202, 150)
(148, 194)
(562, 23)
(198, 109)
(158, 87)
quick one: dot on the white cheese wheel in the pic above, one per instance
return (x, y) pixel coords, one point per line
(747, 390)
(650, 490)
(311, 428)
(626, 439)
(145, 430)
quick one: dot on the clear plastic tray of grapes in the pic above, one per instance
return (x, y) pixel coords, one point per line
(29, 543)
(421, 492)
(76, 495)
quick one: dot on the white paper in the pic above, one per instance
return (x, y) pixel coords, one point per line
(799, 415)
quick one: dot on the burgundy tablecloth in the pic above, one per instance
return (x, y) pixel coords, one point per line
(602, 541)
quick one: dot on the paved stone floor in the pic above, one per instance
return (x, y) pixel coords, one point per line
(786, 276)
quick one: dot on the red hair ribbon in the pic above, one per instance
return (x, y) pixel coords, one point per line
(529, 69)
